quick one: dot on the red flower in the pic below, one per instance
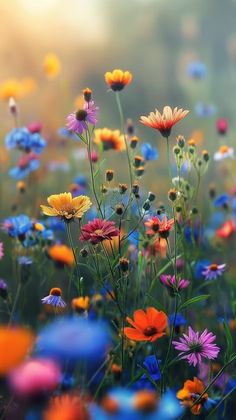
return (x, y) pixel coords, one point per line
(146, 326)
(98, 230)
(161, 226)
(226, 230)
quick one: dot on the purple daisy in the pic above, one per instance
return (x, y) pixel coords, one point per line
(54, 298)
(212, 271)
(175, 285)
(78, 120)
(194, 346)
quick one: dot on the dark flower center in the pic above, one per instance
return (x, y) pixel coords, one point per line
(195, 347)
(213, 267)
(81, 115)
(149, 331)
(155, 226)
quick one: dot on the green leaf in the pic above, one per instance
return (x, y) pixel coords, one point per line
(192, 301)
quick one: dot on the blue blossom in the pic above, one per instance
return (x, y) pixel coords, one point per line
(197, 70)
(205, 110)
(199, 267)
(20, 172)
(149, 152)
(64, 132)
(22, 139)
(17, 226)
(179, 321)
(221, 200)
(151, 365)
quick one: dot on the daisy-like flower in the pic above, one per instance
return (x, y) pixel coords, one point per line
(98, 230)
(110, 139)
(118, 79)
(212, 271)
(195, 346)
(1, 251)
(61, 255)
(54, 298)
(78, 121)
(173, 284)
(67, 207)
(165, 121)
(224, 152)
(161, 226)
(146, 326)
(190, 393)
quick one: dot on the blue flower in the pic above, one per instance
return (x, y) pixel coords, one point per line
(20, 172)
(152, 367)
(64, 132)
(17, 226)
(149, 152)
(179, 321)
(205, 110)
(199, 267)
(221, 200)
(22, 139)
(196, 70)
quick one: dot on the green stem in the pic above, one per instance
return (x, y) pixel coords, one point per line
(75, 258)
(171, 335)
(168, 159)
(88, 139)
(15, 302)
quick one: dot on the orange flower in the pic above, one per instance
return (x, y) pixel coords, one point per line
(15, 343)
(110, 139)
(160, 226)
(190, 393)
(80, 304)
(118, 79)
(11, 88)
(67, 207)
(66, 407)
(61, 254)
(165, 121)
(51, 65)
(147, 326)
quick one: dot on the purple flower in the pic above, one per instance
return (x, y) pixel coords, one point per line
(1, 251)
(54, 298)
(194, 346)
(174, 285)
(77, 121)
(212, 271)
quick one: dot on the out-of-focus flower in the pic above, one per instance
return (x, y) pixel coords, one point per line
(25, 165)
(165, 121)
(1, 251)
(51, 65)
(222, 200)
(110, 139)
(98, 230)
(74, 339)
(24, 260)
(222, 126)
(160, 226)
(22, 139)
(224, 152)
(13, 88)
(66, 407)
(149, 152)
(77, 121)
(80, 304)
(197, 70)
(67, 207)
(3, 289)
(190, 393)
(15, 343)
(17, 226)
(118, 79)
(204, 110)
(147, 326)
(34, 377)
(226, 230)
(173, 284)
(212, 271)
(196, 346)
(34, 127)
(61, 254)
(54, 298)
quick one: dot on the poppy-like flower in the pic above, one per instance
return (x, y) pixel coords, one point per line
(165, 121)
(196, 346)
(77, 122)
(162, 226)
(147, 326)
(51, 65)
(190, 393)
(224, 152)
(118, 79)
(226, 230)
(67, 207)
(61, 255)
(66, 407)
(15, 343)
(212, 271)
(98, 230)
(173, 284)
(54, 298)
(1, 251)
(222, 126)
(110, 139)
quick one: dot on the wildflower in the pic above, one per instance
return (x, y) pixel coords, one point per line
(118, 79)
(61, 255)
(165, 121)
(23, 260)
(173, 284)
(196, 70)
(25, 165)
(80, 304)
(3, 289)
(1, 251)
(222, 201)
(222, 126)
(10, 88)
(124, 264)
(194, 346)
(54, 298)
(152, 367)
(22, 139)
(51, 65)
(67, 207)
(20, 186)
(212, 271)
(110, 139)
(66, 407)
(134, 141)
(34, 127)
(109, 175)
(87, 92)
(204, 110)
(149, 152)
(15, 343)
(98, 230)
(17, 226)
(226, 230)
(147, 326)
(34, 377)
(77, 121)
(145, 401)
(160, 226)
(190, 393)
(224, 152)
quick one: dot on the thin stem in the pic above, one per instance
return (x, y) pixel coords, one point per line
(171, 335)
(15, 302)
(88, 139)
(75, 258)
(168, 158)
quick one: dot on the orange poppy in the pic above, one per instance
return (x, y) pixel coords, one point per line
(165, 121)
(147, 326)
(190, 393)
(61, 254)
(118, 79)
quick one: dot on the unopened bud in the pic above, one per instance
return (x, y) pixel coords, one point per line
(109, 175)
(124, 264)
(151, 196)
(146, 205)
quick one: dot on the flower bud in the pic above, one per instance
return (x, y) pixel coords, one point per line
(135, 188)
(181, 141)
(140, 171)
(87, 94)
(138, 161)
(20, 186)
(123, 188)
(151, 196)
(133, 142)
(109, 175)
(119, 209)
(176, 150)
(172, 194)
(124, 264)
(13, 107)
(84, 252)
(205, 155)
(146, 205)
(130, 127)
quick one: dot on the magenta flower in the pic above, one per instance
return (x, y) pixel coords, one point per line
(98, 230)
(173, 284)
(1, 251)
(212, 271)
(194, 346)
(78, 120)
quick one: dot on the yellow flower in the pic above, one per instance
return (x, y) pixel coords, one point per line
(11, 88)
(52, 65)
(67, 207)
(79, 102)
(110, 139)
(80, 303)
(118, 79)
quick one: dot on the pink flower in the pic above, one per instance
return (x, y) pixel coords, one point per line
(35, 376)
(1, 251)
(77, 121)
(222, 126)
(194, 346)
(175, 285)
(98, 230)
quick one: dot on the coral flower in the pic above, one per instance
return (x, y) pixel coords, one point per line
(78, 120)
(147, 326)
(51, 65)
(54, 298)
(226, 230)
(190, 393)
(61, 254)
(165, 121)
(110, 139)
(212, 271)
(15, 343)
(160, 226)
(66, 407)
(67, 207)
(118, 79)
(98, 230)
